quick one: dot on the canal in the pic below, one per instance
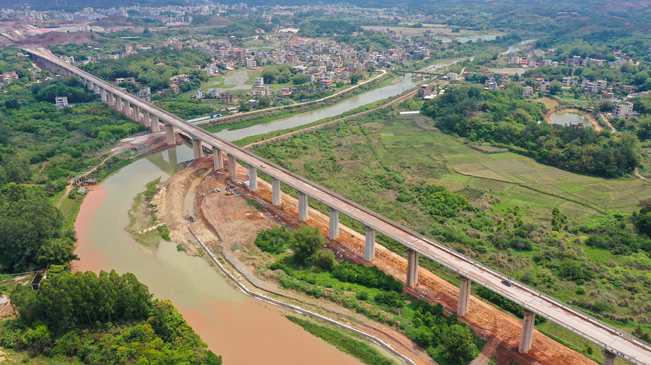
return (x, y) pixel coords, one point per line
(322, 113)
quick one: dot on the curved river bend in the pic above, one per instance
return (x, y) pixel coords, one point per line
(241, 329)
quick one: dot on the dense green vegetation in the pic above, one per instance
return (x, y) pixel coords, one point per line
(71, 87)
(543, 226)
(504, 117)
(343, 342)
(377, 296)
(31, 230)
(98, 320)
(154, 68)
(67, 140)
(315, 28)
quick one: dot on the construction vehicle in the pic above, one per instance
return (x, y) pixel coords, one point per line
(229, 192)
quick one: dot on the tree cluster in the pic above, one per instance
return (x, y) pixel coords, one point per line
(505, 118)
(71, 87)
(431, 329)
(67, 300)
(31, 230)
(105, 319)
(371, 277)
(153, 68)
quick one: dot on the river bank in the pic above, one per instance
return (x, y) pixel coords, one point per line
(287, 133)
(224, 318)
(369, 84)
(350, 246)
(226, 225)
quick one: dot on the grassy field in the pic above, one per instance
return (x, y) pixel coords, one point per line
(344, 342)
(380, 157)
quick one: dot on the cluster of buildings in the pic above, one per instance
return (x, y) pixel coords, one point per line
(537, 58)
(166, 14)
(8, 77)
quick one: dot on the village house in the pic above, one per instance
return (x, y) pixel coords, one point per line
(61, 101)
(180, 79)
(144, 94)
(9, 77)
(214, 93)
(623, 110)
(226, 98)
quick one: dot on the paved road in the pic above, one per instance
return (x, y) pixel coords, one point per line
(587, 327)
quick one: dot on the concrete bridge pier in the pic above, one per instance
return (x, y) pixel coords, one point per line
(253, 178)
(103, 94)
(218, 157)
(146, 119)
(275, 191)
(464, 297)
(334, 223)
(169, 133)
(526, 338)
(302, 206)
(90, 86)
(96, 89)
(155, 125)
(369, 250)
(232, 167)
(110, 99)
(197, 147)
(119, 104)
(609, 358)
(135, 113)
(412, 269)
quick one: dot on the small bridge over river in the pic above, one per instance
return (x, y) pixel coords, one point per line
(419, 73)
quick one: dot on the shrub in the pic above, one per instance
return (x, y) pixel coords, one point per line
(273, 240)
(324, 259)
(371, 277)
(391, 298)
(9, 338)
(580, 290)
(306, 241)
(362, 295)
(39, 333)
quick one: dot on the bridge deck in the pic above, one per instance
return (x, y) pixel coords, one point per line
(587, 327)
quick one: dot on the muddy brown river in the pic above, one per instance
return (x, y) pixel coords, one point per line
(241, 329)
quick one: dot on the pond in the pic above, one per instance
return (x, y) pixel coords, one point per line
(568, 118)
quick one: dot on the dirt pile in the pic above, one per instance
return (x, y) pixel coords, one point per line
(170, 202)
(63, 38)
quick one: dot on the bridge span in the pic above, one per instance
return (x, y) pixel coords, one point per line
(615, 342)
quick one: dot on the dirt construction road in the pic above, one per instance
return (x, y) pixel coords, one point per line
(231, 221)
(485, 319)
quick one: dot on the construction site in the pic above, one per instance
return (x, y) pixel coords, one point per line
(227, 217)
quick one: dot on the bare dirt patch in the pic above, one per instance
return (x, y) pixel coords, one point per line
(230, 223)
(63, 38)
(486, 320)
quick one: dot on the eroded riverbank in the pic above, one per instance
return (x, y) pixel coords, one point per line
(240, 329)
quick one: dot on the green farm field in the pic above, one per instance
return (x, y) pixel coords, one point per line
(380, 161)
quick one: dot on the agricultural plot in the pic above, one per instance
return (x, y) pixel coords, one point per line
(384, 162)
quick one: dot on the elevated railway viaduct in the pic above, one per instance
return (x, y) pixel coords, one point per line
(613, 341)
